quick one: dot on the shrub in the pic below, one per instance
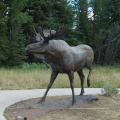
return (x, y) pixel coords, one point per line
(32, 66)
(110, 90)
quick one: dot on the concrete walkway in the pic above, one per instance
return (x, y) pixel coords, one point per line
(9, 97)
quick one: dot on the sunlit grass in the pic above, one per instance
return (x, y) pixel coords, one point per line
(39, 78)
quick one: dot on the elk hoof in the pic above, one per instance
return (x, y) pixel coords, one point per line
(88, 84)
(42, 100)
(73, 102)
(81, 93)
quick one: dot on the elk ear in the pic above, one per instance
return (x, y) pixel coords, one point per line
(42, 40)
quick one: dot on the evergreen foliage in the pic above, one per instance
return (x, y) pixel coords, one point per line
(84, 25)
(105, 13)
(4, 43)
(49, 12)
(17, 18)
(17, 38)
(17, 49)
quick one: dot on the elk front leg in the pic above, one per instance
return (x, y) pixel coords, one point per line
(71, 78)
(52, 79)
(82, 77)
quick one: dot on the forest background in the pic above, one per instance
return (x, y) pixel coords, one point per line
(94, 22)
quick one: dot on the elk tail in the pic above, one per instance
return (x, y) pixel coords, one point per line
(88, 78)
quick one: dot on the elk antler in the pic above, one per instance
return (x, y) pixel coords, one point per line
(59, 32)
(28, 36)
(35, 33)
(30, 39)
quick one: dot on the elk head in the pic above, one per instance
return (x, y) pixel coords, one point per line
(32, 40)
(44, 36)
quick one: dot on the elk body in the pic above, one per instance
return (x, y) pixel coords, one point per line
(64, 59)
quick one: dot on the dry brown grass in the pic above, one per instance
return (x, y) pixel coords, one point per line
(38, 78)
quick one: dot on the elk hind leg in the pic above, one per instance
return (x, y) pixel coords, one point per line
(82, 77)
(52, 79)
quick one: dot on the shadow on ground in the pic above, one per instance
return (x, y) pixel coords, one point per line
(65, 102)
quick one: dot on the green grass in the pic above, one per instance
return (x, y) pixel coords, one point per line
(38, 77)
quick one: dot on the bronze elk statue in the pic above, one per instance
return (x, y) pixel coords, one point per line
(63, 58)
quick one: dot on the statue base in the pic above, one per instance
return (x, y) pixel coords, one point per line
(66, 102)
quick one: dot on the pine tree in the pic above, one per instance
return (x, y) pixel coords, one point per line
(83, 24)
(4, 43)
(84, 21)
(16, 19)
(63, 13)
(105, 13)
(51, 21)
(49, 12)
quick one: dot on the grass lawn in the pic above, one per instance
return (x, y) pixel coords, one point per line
(39, 78)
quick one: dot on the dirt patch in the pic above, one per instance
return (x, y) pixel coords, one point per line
(59, 108)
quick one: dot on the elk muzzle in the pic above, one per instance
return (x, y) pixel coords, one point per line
(28, 49)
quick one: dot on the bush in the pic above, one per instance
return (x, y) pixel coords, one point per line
(32, 66)
(110, 90)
